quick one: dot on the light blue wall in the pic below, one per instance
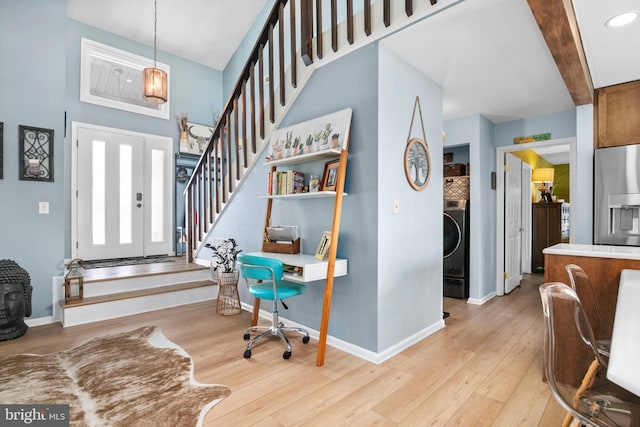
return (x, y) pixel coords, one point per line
(584, 206)
(333, 87)
(483, 211)
(560, 125)
(32, 76)
(576, 123)
(409, 259)
(460, 154)
(240, 56)
(39, 82)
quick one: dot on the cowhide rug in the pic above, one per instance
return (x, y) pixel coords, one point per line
(136, 378)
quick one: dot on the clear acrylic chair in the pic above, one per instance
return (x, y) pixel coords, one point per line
(584, 288)
(264, 280)
(596, 401)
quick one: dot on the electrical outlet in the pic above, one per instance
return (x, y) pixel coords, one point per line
(396, 207)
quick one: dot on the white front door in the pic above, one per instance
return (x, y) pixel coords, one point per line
(123, 194)
(513, 223)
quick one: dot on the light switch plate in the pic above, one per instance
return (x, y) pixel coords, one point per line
(43, 208)
(396, 207)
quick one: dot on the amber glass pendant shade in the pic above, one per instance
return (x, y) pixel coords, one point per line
(155, 86)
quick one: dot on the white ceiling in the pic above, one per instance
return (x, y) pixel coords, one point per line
(555, 154)
(612, 53)
(203, 31)
(488, 55)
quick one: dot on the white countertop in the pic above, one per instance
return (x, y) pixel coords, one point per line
(596, 251)
(625, 347)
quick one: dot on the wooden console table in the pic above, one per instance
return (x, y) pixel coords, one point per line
(603, 265)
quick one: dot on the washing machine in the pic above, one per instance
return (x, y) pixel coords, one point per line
(456, 249)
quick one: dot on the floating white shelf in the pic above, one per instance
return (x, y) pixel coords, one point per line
(312, 268)
(298, 196)
(304, 158)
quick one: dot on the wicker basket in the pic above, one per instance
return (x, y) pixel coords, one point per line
(228, 297)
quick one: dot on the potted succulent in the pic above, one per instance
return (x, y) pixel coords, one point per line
(335, 141)
(308, 144)
(224, 253)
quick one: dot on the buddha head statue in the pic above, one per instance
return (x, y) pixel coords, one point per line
(15, 300)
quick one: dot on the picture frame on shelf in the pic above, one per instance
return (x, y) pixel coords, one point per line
(323, 246)
(330, 175)
(36, 154)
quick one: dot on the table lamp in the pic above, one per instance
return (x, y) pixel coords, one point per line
(543, 176)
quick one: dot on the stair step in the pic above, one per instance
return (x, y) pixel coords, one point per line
(95, 275)
(139, 293)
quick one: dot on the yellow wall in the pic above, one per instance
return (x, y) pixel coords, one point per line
(561, 174)
(561, 182)
(532, 158)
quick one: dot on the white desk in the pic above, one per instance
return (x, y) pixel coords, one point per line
(624, 361)
(312, 268)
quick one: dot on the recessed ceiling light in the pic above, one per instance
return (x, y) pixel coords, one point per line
(129, 80)
(622, 19)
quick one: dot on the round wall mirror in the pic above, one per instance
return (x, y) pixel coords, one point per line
(417, 164)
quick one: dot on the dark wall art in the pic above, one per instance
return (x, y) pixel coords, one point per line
(36, 154)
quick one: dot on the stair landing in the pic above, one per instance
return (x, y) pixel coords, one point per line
(113, 292)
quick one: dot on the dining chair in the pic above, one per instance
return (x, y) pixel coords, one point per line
(596, 401)
(584, 288)
(263, 277)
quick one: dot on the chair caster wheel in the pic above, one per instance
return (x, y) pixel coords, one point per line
(286, 354)
(305, 340)
(247, 354)
(246, 337)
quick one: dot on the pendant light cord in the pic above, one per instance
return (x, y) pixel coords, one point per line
(155, 31)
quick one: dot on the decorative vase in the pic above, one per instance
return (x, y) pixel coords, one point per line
(184, 141)
(228, 297)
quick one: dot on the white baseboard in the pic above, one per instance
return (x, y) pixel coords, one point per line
(362, 353)
(39, 321)
(481, 301)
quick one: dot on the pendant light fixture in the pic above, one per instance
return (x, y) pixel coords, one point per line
(155, 80)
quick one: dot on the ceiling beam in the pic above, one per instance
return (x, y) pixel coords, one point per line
(557, 22)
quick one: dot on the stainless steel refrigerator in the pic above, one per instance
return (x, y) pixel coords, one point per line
(616, 202)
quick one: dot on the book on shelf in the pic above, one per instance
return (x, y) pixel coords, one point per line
(285, 182)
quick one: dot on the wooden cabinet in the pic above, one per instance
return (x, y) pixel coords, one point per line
(547, 231)
(617, 109)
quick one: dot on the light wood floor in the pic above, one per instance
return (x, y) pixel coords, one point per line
(483, 369)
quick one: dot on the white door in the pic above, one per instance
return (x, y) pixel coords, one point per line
(526, 218)
(123, 194)
(513, 223)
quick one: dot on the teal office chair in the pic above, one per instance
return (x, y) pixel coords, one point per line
(264, 280)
